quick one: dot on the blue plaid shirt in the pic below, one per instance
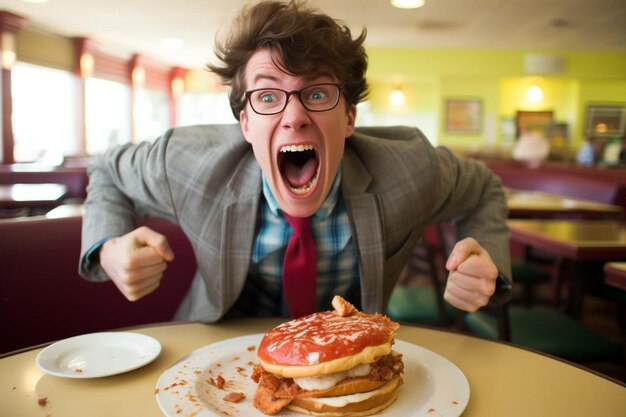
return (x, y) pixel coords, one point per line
(337, 264)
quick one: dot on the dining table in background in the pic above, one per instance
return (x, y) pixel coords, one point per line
(541, 204)
(584, 244)
(615, 274)
(504, 380)
(31, 195)
(66, 210)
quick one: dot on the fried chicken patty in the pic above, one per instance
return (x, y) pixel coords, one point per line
(274, 392)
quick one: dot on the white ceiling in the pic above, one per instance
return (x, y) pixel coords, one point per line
(138, 26)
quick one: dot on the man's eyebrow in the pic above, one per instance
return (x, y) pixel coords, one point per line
(262, 76)
(311, 77)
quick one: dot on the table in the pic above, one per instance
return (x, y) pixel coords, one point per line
(540, 204)
(31, 195)
(615, 273)
(66, 210)
(583, 242)
(600, 240)
(504, 380)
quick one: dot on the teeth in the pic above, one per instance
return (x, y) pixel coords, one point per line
(308, 186)
(296, 148)
(302, 190)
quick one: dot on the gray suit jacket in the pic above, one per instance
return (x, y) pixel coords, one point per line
(206, 179)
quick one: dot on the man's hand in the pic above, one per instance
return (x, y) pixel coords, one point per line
(472, 277)
(135, 262)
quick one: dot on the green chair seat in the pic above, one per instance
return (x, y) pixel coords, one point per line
(418, 304)
(549, 331)
(528, 272)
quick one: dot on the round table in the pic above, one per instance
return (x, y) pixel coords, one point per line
(504, 380)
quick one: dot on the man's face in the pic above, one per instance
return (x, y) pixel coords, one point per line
(299, 179)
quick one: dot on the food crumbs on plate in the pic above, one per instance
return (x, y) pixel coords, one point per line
(182, 383)
(455, 403)
(431, 410)
(234, 397)
(78, 370)
(218, 382)
(191, 398)
(251, 348)
(42, 401)
(156, 391)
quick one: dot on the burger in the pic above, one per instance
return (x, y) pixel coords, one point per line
(332, 363)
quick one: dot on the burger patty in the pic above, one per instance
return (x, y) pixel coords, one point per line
(275, 392)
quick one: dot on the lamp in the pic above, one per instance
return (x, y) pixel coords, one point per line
(407, 4)
(396, 97)
(139, 77)
(87, 65)
(534, 94)
(7, 45)
(178, 86)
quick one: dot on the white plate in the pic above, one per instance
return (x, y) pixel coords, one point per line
(98, 354)
(432, 386)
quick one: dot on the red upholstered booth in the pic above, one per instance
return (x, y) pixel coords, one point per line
(42, 297)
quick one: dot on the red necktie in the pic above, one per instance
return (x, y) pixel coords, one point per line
(300, 268)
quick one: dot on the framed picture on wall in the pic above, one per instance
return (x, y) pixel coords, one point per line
(528, 121)
(463, 116)
(606, 121)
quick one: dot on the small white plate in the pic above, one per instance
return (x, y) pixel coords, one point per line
(98, 354)
(433, 386)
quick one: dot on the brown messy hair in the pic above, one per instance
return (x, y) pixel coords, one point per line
(302, 42)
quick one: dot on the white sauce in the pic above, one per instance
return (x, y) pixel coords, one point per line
(344, 400)
(314, 358)
(328, 381)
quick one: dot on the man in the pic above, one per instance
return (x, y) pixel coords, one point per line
(296, 77)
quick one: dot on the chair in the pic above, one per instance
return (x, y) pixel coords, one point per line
(615, 295)
(541, 328)
(528, 274)
(415, 302)
(420, 304)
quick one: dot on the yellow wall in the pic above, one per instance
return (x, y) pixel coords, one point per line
(498, 79)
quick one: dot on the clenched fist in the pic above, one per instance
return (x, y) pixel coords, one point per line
(135, 262)
(472, 276)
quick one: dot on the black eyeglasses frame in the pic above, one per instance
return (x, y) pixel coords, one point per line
(297, 93)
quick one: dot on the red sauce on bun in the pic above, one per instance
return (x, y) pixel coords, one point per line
(325, 334)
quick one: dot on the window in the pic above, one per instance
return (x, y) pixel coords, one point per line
(204, 108)
(107, 114)
(151, 114)
(44, 108)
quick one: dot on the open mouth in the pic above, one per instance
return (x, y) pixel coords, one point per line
(299, 167)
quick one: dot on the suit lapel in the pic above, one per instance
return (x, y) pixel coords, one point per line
(238, 231)
(366, 216)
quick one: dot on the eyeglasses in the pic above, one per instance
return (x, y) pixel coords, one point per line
(317, 98)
